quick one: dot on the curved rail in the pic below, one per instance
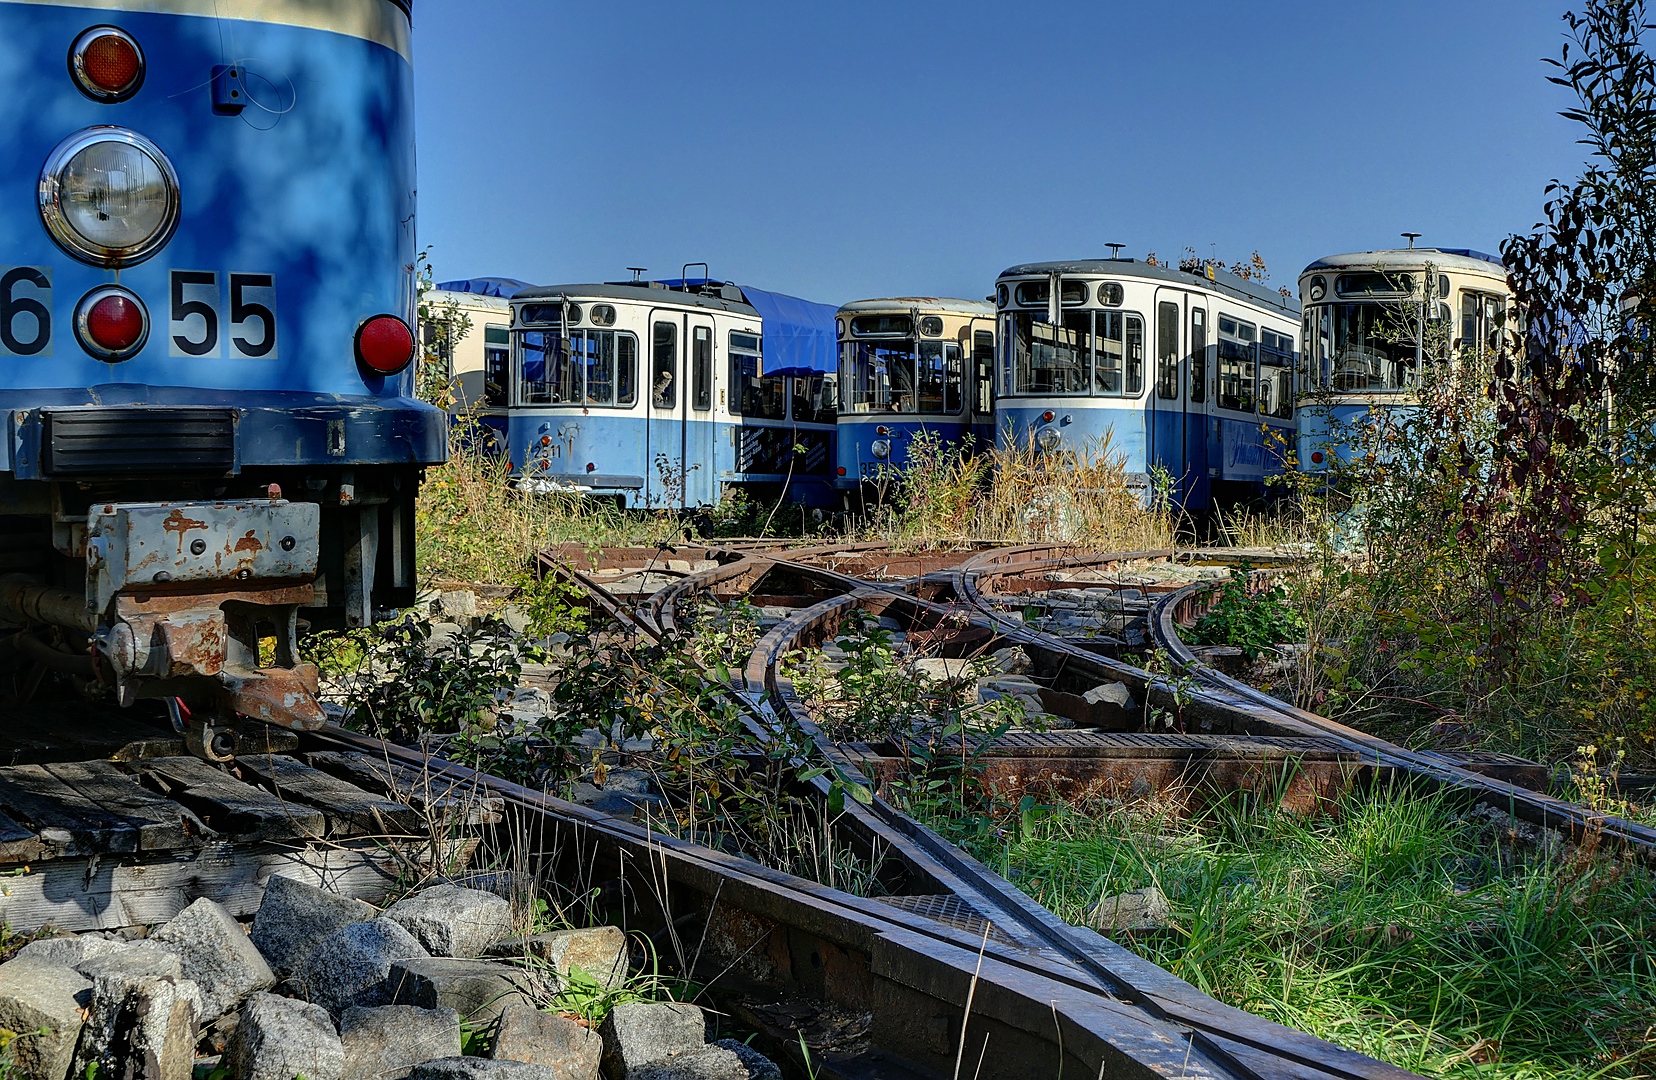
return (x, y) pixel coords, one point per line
(1531, 806)
(1036, 939)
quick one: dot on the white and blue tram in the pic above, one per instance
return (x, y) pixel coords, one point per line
(1188, 374)
(911, 364)
(665, 394)
(1374, 324)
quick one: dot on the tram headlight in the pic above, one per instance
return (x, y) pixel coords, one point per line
(109, 196)
(1048, 438)
(880, 448)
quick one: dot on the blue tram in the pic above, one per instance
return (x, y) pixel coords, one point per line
(206, 308)
(1187, 373)
(666, 394)
(910, 364)
(1377, 322)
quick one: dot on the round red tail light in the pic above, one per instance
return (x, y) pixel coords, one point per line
(842, 470)
(111, 323)
(1046, 417)
(107, 64)
(1316, 457)
(384, 345)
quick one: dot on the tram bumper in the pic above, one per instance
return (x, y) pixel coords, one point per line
(180, 596)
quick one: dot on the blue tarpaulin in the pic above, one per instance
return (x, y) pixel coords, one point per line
(800, 336)
(502, 287)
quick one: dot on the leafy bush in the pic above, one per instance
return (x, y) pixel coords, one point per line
(1250, 621)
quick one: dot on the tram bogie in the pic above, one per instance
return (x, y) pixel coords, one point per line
(909, 365)
(1376, 323)
(1187, 376)
(666, 395)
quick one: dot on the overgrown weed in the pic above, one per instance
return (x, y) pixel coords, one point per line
(1394, 926)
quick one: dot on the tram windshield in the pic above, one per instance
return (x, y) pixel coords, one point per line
(589, 367)
(1088, 353)
(893, 376)
(1362, 349)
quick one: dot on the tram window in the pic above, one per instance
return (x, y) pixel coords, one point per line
(548, 374)
(664, 365)
(1109, 294)
(930, 386)
(879, 376)
(1108, 360)
(1198, 354)
(603, 314)
(1482, 320)
(1374, 283)
(983, 363)
(438, 337)
(954, 377)
(881, 325)
(497, 375)
(752, 393)
(1050, 359)
(1037, 293)
(813, 399)
(1365, 353)
(701, 368)
(626, 369)
(1167, 350)
(1276, 374)
(1236, 364)
(1135, 356)
(541, 313)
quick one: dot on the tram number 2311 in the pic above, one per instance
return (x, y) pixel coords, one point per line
(209, 313)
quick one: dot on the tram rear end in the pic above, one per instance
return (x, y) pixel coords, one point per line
(206, 311)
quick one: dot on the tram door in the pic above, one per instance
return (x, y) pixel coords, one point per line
(1167, 419)
(1201, 434)
(663, 424)
(696, 421)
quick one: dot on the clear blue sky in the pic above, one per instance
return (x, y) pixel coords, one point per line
(849, 150)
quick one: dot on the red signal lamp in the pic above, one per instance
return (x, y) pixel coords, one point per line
(384, 345)
(1316, 457)
(111, 323)
(1046, 417)
(107, 64)
(842, 470)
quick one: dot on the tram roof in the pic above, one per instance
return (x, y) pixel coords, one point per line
(1222, 281)
(951, 304)
(503, 287)
(655, 295)
(1404, 258)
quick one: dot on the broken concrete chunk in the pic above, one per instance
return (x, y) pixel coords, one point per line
(1140, 909)
(600, 951)
(36, 994)
(384, 1043)
(281, 1038)
(450, 920)
(216, 955)
(137, 959)
(476, 989)
(69, 952)
(142, 1027)
(726, 1059)
(349, 967)
(476, 1068)
(1115, 693)
(574, 1051)
(637, 1034)
(1012, 661)
(939, 670)
(294, 916)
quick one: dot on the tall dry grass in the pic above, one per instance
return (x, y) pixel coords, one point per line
(473, 525)
(1020, 495)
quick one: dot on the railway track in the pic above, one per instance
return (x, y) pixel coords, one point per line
(949, 964)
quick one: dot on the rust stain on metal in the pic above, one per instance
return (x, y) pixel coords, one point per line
(177, 523)
(250, 542)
